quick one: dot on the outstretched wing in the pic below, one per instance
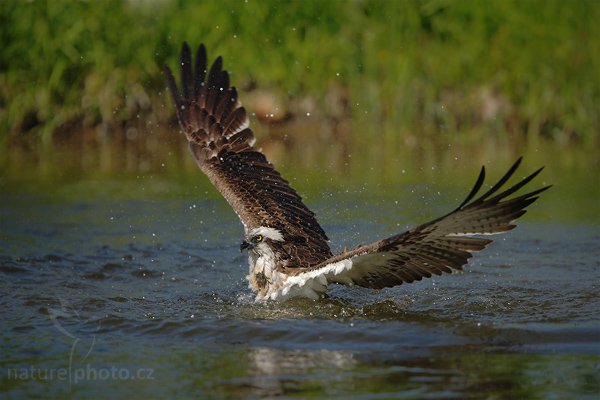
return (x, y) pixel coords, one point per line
(442, 245)
(216, 126)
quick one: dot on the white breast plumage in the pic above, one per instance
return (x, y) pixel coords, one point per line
(289, 251)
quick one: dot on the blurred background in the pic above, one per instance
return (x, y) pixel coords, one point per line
(380, 114)
(359, 88)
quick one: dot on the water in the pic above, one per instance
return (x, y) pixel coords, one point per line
(137, 289)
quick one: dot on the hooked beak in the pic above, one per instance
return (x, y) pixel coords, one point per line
(244, 246)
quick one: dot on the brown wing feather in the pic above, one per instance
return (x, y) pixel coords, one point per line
(439, 246)
(216, 126)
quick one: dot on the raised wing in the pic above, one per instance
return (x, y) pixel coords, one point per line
(442, 245)
(216, 126)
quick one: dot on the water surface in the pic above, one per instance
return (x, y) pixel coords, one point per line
(119, 289)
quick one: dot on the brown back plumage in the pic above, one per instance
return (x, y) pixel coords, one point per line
(216, 126)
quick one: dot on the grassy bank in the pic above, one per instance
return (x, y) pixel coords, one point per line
(518, 72)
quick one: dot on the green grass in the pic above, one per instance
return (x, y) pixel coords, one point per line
(517, 71)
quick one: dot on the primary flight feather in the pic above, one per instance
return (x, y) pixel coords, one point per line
(288, 250)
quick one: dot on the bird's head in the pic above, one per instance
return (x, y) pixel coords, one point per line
(258, 240)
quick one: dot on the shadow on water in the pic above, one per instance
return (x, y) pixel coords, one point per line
(140, 276)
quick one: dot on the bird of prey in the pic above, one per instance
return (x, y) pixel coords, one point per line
(288, 251)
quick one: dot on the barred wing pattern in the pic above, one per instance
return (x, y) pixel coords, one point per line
(217, 128)
(443, 245)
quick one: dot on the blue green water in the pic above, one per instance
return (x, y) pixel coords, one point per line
(136, 289)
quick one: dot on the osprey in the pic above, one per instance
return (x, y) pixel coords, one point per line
(288, 250)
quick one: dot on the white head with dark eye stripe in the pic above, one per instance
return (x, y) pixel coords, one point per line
(258, 238)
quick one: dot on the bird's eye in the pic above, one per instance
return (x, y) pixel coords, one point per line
(258, 238)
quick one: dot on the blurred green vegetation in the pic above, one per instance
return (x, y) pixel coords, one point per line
(520, 72)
